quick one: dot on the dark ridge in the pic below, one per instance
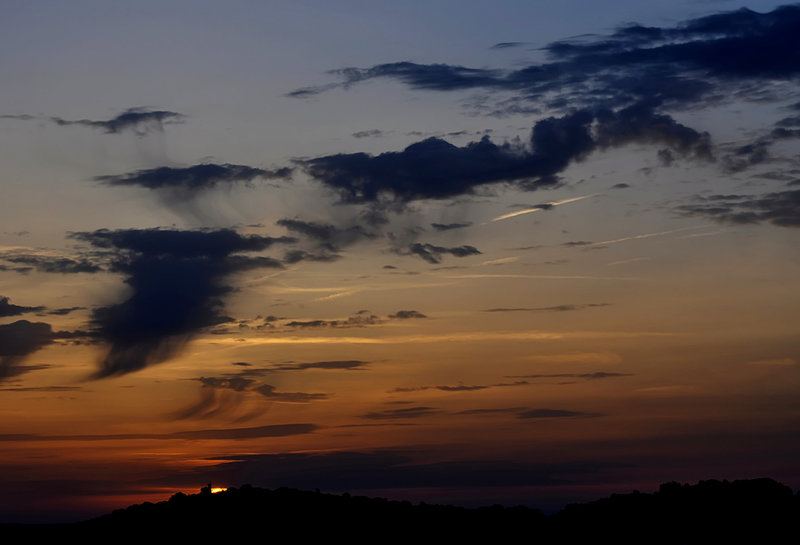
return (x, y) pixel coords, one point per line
(707, 512)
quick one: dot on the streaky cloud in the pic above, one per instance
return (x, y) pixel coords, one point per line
(781, 208)
(193, 178)
(556, 308)
(334, 365)
(139, 120)
(271, 392)
(404, 413)
(556, 413)
(433, 254)
(49, 264)
(273, 430)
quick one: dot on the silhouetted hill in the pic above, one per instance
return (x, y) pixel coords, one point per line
(707, 512)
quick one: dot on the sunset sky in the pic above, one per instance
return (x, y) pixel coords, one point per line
(455, 251)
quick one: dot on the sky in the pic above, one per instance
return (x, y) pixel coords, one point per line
(455, 252)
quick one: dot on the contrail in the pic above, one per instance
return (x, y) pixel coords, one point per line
(536, 208)
(648, 235)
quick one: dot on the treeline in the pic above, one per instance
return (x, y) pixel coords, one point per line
(707, 512)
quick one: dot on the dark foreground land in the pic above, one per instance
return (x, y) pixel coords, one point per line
(760, 510)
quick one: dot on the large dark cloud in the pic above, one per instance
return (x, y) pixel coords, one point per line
(781, 208)
(436, 169)
(8, 309)
(178, 280)
(685, 63)
(18, 340)
(139, 120)
(193, 178)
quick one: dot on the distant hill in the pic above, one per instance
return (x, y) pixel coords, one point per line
(707, 512)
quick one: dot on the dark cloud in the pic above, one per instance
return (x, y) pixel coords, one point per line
(449, 226)
(557, 308)
(194, 178)
(491, 411)
(373, 133)
(620, 186)
(49, 264)
(507, 45)
(793, 121)
(327, 236)
(17, 341)
(684, 64)
(781, 208)
(296, 256)
(436, 169)
(274, 430)
(224, 395)
(139, 120)
(8, 309)
(586, 376)
(612, 90)
(178, 281)
(43, 389)
(237, 383)
(358, 320)
(23, 117)
(347, 365)
(64, 311)
(556, 413)
(405, 314)
(407, 412)
(271, 393)
(441, 77)
(433, 254)
(460, 387)
(213, 403)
